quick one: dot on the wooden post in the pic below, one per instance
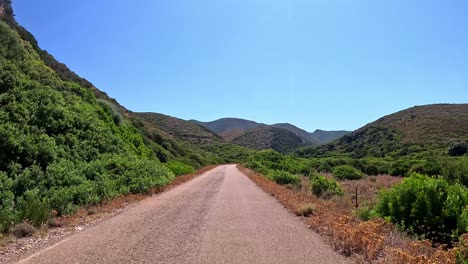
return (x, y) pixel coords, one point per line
(356, 198)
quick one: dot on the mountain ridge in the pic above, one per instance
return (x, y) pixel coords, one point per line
(230, 128)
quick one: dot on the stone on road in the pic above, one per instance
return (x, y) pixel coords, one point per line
(219, 217)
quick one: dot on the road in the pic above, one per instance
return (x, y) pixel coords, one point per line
(219, 217)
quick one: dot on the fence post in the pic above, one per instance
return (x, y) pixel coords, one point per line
(356, 198)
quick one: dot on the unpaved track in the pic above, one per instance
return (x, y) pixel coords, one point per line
(219, 217)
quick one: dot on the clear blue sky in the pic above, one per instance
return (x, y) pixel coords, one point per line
(330, 64)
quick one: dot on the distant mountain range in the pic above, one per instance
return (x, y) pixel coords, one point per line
(244, 132)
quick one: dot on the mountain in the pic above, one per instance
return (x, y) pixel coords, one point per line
(227, 124)
(417, 129)
(324, 137)
(268, 137)
(306, 137)
(231, 128)
(197, 144)
(181, 129)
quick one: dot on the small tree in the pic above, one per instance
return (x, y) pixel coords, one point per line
(458, 149)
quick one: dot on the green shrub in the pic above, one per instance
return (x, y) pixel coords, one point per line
(61, 200)
(284, 178)
(456, 170)
(6, 202)
(400, 168)
(324, 167)
(346, 172)
(33, 209)
(324, 187)
(426, 206)
(179, 168)
(430, 166)
(364, 213)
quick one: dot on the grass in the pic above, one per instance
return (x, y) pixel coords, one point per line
(306, 210)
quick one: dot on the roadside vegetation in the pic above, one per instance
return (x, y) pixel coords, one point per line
(426, 200)
(62, 147)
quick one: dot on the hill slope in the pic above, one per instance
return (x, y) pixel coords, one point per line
(181, 129)
(227, 124)
(267, 137)
(416, 129)
(186, 141)
(324, 137)
(307, 138)
(64, 143)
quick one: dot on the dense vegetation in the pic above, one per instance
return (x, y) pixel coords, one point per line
(431, 207)
(430, 203)
(266, 137)
(347, 172)
(60, 147)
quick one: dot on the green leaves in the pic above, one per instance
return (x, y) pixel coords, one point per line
(324, 187)
(426, 206)
(179, 168)
(347, 172)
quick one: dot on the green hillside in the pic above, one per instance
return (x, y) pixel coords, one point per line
(324, 137)
(65, 144)
(185, 141)
(267, 137)
(417, 129)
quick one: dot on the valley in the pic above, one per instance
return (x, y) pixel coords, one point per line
(392, 191)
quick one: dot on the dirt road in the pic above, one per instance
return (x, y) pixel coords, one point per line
(219, 217)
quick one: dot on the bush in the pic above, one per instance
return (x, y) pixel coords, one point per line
(399, 168)
(324, 187)
(306, 210)
(284, 177)
(346, 172)
(364, 213)
(6, 202)
(458, 149)
(179, 168)
(456, 170)
(426, 206)
(23, 230)
(33, 209)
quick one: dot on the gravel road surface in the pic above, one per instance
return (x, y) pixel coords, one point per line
(219, 217)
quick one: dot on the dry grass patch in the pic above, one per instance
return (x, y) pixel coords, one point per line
(306, 210)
